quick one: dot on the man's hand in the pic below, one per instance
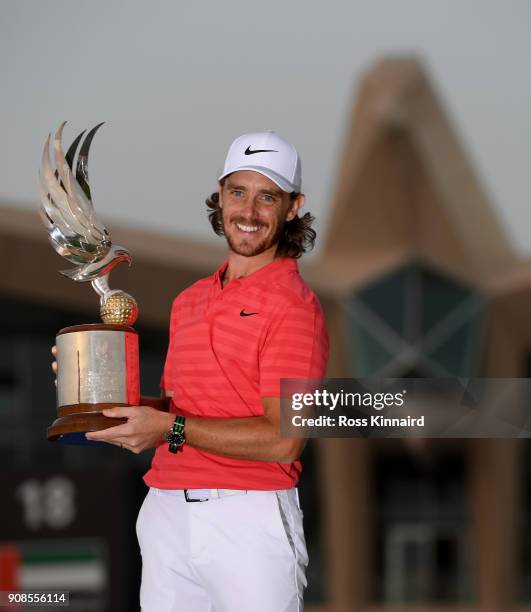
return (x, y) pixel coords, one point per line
(145, 428)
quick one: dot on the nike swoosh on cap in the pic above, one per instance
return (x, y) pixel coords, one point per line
(248, 151)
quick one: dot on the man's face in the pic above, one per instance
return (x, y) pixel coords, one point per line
(254, 210)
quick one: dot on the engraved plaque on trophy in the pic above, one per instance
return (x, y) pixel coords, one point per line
(97, 363)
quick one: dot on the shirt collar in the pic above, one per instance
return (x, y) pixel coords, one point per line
(278, 267)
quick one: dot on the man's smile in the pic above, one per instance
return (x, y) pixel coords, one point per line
(247, 228)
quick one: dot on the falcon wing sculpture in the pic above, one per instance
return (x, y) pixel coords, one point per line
(69, 216)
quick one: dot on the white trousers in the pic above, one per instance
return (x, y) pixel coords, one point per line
(241, 552)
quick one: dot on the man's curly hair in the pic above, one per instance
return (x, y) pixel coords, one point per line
(296, 238)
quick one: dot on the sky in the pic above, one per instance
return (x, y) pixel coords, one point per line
(176, 82)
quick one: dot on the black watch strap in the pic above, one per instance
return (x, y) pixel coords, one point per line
(175, 436)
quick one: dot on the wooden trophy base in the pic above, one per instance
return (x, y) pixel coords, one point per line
(80, 418)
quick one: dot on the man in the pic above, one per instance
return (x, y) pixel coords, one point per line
(221, 527)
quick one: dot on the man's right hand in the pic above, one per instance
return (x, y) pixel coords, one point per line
(54, 363)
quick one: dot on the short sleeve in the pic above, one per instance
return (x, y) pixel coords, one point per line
(296, 346)
(173, 322)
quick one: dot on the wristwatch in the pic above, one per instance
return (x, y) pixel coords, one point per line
(175, 436)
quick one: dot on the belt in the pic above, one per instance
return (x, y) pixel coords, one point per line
(202, 495)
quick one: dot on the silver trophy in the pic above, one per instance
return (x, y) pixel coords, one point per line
(97, 363)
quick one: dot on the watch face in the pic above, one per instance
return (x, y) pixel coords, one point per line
(175, 438)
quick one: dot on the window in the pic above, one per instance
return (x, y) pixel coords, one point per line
(415, 319)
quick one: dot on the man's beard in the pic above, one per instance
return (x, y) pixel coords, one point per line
(246, 249)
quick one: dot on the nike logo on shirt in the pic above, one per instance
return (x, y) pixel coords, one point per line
(246, 314)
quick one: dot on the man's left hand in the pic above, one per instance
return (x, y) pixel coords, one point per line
(145, 428)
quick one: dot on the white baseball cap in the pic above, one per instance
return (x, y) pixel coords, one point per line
(266, 153)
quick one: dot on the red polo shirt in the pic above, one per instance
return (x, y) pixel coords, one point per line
(229, 347)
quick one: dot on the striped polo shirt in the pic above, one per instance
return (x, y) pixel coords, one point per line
(229, 347)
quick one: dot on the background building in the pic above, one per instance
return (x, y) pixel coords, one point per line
(416, 277)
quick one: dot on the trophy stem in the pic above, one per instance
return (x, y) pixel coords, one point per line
(101, 286)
